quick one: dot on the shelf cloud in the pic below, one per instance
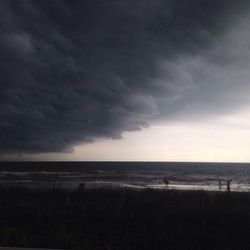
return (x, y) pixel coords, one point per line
(74, 71)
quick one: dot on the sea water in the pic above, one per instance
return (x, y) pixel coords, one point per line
(139, 175)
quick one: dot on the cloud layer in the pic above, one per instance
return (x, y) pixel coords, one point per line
(73, 71)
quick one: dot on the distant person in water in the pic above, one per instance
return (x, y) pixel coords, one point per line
(229, 185)
(166, 181)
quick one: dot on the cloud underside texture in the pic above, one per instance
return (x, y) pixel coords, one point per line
(73, 71)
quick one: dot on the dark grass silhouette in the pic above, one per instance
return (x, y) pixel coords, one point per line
(124, 219)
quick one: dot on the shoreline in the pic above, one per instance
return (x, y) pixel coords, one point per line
(100, 184)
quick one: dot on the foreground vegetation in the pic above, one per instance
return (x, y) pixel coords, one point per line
(124, 219)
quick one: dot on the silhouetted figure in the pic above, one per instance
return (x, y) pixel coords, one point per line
(219, 184)
(228, 185)
(81, 186)
(166, 181)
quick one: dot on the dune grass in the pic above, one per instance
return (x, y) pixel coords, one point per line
(124, 219)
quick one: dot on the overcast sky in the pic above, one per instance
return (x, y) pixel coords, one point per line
(125, 80)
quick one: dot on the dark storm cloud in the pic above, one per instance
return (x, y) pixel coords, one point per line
(73, 71)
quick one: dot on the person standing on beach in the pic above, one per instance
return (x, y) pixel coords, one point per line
(219, 184)
(228, 185)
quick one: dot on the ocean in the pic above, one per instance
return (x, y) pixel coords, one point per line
(137, 175)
